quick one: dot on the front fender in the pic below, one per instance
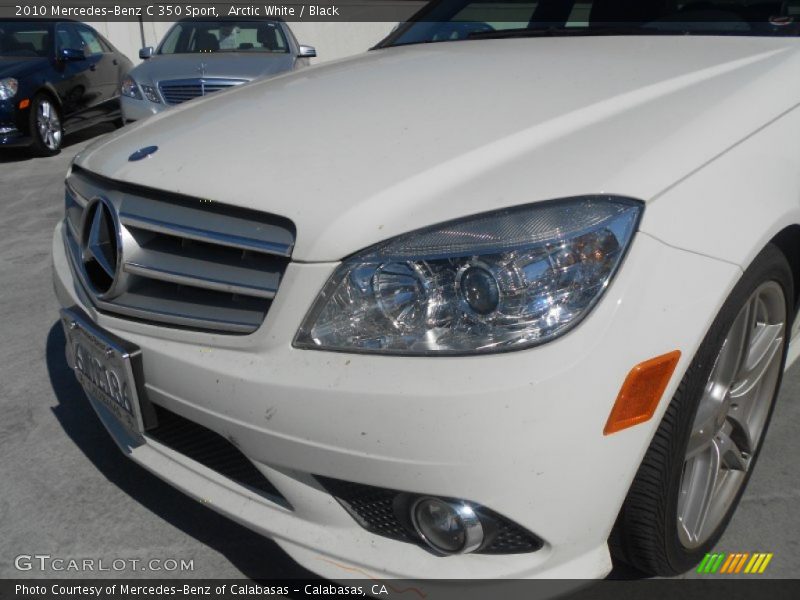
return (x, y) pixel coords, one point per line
(733, 206)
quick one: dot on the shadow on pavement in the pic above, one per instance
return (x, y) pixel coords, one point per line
(12, 155)
(255, 556)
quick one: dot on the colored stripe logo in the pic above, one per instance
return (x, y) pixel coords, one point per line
(734, 563)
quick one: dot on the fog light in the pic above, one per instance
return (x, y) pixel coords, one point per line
(447, 527)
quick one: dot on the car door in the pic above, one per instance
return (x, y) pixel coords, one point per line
(73, 83)
(103, 69)
(122, 66)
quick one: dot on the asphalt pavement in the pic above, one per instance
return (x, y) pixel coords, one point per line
(66, 491)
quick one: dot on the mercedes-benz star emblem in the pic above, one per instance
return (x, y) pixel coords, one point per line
(143, 153)
(100, 245)
(202, 69)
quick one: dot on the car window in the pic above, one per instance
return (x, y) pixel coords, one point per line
(89, 42)
(107, 47)
(67, 37)
(499, 15)
(19, 38)
(225, 36)
(449, 20)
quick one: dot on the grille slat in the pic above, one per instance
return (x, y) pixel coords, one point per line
(198, 281)
(185, 262)
(197, 267)
(180, 90)
(154, 300)
(204, 235)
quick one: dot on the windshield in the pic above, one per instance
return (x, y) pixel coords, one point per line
(24, 39)
(225, 36)
(450, 20)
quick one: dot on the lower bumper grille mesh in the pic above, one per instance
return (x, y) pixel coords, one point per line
(372, 507)
(211, 450)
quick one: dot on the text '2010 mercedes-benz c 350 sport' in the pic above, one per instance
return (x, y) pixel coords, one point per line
(509, 295)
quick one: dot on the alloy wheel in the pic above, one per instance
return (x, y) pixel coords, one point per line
(732, 415)
(49, 125)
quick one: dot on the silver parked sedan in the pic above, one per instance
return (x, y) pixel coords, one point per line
(197, 58)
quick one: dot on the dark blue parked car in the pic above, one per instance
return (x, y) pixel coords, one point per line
(55, 77)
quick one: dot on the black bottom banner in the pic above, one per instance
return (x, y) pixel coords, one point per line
(219, 589)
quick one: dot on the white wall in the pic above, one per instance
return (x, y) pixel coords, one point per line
(332, 40)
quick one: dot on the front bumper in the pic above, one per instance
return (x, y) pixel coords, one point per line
(520, 433)
(136, 110)
(13, 131)
(15, 140)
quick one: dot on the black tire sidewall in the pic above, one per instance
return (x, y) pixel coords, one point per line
(769, 265)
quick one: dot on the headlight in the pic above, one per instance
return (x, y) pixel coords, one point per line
(493, 282)
(8, 88)
(150, 93)
(130, 89)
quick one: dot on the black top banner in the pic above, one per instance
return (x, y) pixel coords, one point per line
(150, 10)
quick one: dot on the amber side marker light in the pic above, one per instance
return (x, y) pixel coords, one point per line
(25, 103)
(641, 392)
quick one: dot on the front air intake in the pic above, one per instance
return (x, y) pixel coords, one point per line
(211, 450)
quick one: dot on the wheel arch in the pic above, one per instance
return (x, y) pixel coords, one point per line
(788, 242)
(47, 89)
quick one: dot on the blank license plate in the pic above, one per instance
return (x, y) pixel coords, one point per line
(103, 365)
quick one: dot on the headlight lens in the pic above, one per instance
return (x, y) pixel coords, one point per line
(8, 88)
(130, 88)
(498, 281)
(150, 93)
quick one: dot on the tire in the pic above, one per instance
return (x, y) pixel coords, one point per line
(661, 529)
(45, 126)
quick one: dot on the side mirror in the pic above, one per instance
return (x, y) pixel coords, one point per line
(71, 54)
(146, 52)
(307, 52)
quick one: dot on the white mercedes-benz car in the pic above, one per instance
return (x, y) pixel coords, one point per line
(509, 295)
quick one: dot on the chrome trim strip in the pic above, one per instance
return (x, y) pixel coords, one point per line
(79, 200)
(73, 253)
(72, 231)
(203, 235)
(201, 282)
(193, 81)
(175, 319)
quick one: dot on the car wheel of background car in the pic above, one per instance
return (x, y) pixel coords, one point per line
(704, 451)
(45, 125)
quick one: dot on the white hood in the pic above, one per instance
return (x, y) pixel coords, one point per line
(370, 147)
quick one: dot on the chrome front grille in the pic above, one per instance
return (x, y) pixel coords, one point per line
(184, 262)
(177, 91)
